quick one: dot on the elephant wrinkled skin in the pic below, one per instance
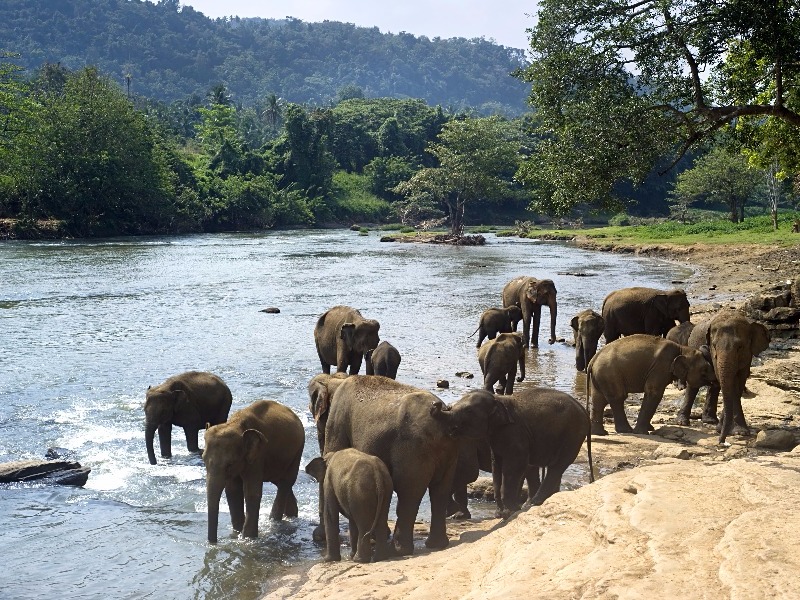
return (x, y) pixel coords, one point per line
(643, 310)
(530, 294)
(384, 360)
(733, 340)
(499, 359)
(587, 327)
(639, 363)
(358, 486)
(262, 442)
(543, 428)
(416, 435)
(344, 338)
(189, 400)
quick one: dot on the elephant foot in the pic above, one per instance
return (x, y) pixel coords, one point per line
(360, 559)
(461, 515)
(383, 551)
(403, 549)
(504, 513)
(318, 535)
(598, 430)
(741, 431)
(709, 419)
(645, 430)
(682, 420)
(332, 557)
(437, 542)
(627, 429)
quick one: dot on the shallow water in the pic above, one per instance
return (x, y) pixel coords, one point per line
(86, 326)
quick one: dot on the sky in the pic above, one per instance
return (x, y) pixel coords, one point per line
(505, 22)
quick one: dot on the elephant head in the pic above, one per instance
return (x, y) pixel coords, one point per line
(542, 292)
(514, 316)
(320, 390)
(163, 405)
(361, 337)
(472, 415)
(673, 305)
(693, 367)
(587, 327)
(228, 454)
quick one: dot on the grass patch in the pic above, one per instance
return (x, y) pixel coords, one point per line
(353, 199)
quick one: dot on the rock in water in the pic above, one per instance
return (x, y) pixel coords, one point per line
(56, 472)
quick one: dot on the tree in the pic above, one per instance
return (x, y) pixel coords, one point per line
(719, 177)
(618, 83)
(218, 121)
(476, 160)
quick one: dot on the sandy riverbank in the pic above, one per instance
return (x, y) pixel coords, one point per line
(675, 515)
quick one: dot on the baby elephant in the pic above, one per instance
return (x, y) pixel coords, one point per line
(497, 320)
(384, 360)
(359, 486)
(640, 363)
(499, 359)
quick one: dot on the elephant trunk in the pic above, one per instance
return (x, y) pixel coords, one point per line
(213, 495)
(149, 436)
(368, 360)
(553, 313)
(521, 365)
(726, 374)
(580, 357)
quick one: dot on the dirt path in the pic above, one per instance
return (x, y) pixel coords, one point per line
(674, 514)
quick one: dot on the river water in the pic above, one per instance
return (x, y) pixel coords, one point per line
(86, 326)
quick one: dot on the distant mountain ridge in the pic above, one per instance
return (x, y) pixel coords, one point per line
(172, 52)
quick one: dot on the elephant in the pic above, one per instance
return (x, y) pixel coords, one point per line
(416, 435)
(643, 310)
(343, 337)
(473, 456)
(530, 294)
(542, 428)
(680, 333)
(499, 359)
(262, 442)
(320, 390)
(733, 340)
(189, 400)
(358, 486)
(384, 360)
(587, 327)
(640, 363)
(497, 320)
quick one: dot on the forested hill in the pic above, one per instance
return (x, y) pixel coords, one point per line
(171, 52)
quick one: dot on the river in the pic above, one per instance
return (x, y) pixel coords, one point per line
(86, 326)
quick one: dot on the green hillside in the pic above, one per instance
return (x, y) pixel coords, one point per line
(172, 52)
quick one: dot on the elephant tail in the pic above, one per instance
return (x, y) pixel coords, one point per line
(589, 418)
(474, 332)
(384, 498)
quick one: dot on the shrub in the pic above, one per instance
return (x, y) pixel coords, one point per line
(619, 220)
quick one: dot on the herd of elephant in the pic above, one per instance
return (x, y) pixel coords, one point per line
(378, 436)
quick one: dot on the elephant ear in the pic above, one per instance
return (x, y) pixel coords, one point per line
(660, 303)
(706, 352)
(320, 401)
(347, 333)
(500, 415)
(759, 338)
(316, 468)
(574, 323)
(254, 442)
(680, 367)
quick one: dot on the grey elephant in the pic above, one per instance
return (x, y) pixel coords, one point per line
(530, 294)
(358, 486)
(643, 310)
(680, 333)
(733, 340)
(262, 442)
(189, 400)
(497, 320)
(384, 360)
(499, 359)
(416, 435)
(473, 456)
(343, 338)
(639, 363)
(320, 390)
(542, 428)
(587, 327)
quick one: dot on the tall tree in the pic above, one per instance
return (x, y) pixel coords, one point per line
(477, 158)
(618, 83)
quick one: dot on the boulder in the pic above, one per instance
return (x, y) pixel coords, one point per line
(775, 439)
(54, 472)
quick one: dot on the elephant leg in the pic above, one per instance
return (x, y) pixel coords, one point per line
(598, 407)
(526, 330)
(710, 409)
(514, 469)
(497, 483)
(550, 484)
(252, 502)
(501, 384)
(537, 317)
(290, 509)
(740, 426)
(191, 439)
(280, 504)
(621, 424)
(331, 519)
(355, 535)
(650, 403)
(318, 535)
(509, 386)
(532, 478)
(457, 506)
(234, 493)
(439, 493)
(355, 362)
(407, 507)
(685, 411)
(481, 337)
(165, 439)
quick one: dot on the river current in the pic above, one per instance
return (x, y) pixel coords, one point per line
(86, 326)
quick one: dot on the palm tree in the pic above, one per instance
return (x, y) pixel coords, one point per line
(274, 111)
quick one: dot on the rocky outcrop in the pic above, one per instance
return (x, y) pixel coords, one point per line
(778, 308)
(52, 472)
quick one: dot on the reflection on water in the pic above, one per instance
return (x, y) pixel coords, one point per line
(85, 327)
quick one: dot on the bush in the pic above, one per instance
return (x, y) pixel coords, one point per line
(620, 220)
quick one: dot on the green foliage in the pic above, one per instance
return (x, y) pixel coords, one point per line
(171, 54)
(618, 85)
(385, 174)
(353, 201)
(619, 220)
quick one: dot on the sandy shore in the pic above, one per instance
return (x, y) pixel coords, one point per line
(674, 514)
